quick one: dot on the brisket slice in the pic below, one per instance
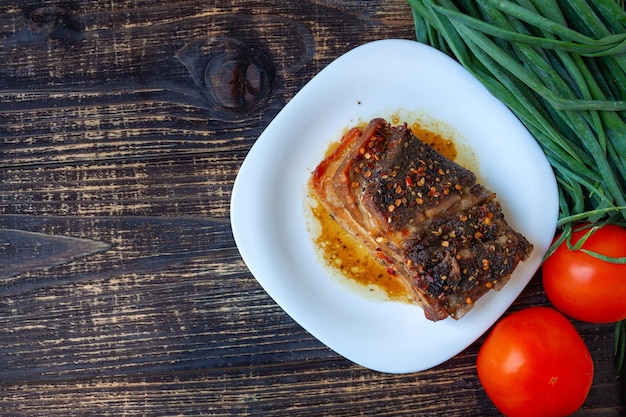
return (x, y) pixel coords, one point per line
(424, 216)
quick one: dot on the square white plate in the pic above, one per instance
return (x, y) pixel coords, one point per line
(269, 207)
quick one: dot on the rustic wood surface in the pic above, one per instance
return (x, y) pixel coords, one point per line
(122, 293)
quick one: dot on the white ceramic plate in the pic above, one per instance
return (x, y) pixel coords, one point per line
(269, 214)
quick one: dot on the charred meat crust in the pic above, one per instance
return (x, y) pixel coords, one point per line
(442, 234)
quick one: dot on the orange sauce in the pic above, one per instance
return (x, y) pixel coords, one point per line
(442, 145)
(349, 257)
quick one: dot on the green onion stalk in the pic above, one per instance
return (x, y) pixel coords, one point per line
(560, 66)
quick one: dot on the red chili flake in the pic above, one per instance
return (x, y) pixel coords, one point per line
(485, 264)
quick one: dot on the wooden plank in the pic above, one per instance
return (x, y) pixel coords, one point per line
(186, 185)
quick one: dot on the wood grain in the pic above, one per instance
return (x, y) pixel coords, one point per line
(122, 127)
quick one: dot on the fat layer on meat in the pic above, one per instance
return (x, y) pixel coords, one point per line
(425, 217)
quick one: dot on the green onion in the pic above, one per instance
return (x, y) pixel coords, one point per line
(560, 66)
(620, 343)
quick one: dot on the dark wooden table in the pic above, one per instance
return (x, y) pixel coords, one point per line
(122, 293)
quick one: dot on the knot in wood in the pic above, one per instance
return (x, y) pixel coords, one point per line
(47, 16)
(238, 80)
(52, 20)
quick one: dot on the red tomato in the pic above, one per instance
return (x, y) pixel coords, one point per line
(587, 288)
(534, 363)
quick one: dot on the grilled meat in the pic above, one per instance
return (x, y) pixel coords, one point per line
(425, 217)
